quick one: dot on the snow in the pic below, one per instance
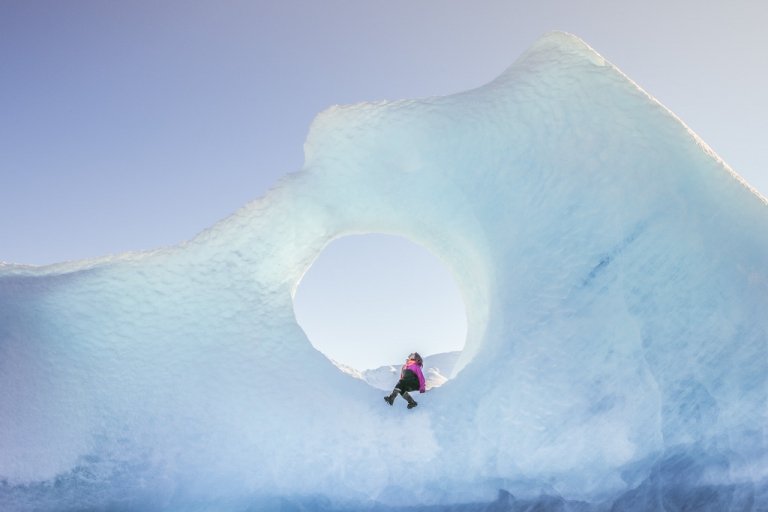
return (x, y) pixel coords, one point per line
(614, 273)
(437, 370)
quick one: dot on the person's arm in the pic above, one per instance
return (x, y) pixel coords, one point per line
(420, 375)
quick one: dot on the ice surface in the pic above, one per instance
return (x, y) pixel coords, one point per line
(437, 370)
(615, 273)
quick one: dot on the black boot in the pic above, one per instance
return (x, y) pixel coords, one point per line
(411, 402)
(391, 398)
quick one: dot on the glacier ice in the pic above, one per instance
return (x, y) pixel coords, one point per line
(615, 273)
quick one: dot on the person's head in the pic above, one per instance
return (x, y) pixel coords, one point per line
(415, 357)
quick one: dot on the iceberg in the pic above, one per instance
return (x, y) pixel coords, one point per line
(615, 274)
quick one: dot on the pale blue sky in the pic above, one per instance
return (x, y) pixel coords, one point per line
(135, 125)
(390, 297)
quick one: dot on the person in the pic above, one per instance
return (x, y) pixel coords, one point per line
(411, 379)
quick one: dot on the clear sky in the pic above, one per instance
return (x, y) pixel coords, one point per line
(135, 125)
(370, 300)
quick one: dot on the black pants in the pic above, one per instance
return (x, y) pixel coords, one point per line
(409, 382)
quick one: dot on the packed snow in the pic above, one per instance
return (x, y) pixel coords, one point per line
(615, 274)
(437, 370)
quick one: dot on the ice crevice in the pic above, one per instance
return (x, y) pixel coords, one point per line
(614, 273)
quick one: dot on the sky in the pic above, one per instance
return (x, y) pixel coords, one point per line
(129, 126)
(397, 298)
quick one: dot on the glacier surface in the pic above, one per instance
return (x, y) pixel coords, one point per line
(615, 273)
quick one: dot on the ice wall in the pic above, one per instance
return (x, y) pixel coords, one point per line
(616, 280)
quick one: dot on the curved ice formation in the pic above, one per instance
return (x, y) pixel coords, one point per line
(616, 280)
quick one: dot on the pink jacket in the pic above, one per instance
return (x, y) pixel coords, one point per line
(415, 368)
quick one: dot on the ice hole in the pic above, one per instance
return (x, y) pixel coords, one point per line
(369, 300)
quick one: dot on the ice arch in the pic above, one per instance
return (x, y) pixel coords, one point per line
(614, 272)
(370, 299)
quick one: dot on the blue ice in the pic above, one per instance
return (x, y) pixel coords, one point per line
(615, 274)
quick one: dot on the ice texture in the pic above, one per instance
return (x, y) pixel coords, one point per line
(615, 273)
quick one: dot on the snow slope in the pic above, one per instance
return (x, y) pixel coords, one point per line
(437, 371)
(616, 281)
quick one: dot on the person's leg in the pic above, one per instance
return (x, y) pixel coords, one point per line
(408, 398)
(390, 399)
